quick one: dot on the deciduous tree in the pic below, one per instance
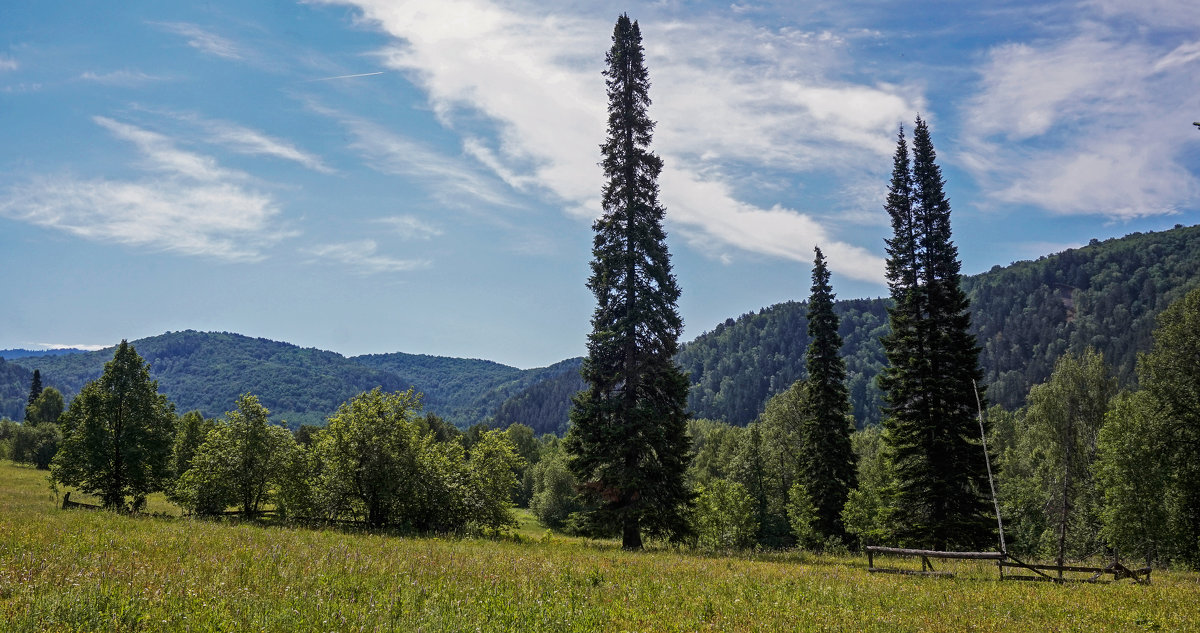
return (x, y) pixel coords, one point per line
(370, 453)
(45, 409)
(239, 463)
(1170, 372)
(117, 435)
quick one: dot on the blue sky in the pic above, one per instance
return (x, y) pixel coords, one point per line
(383, 175)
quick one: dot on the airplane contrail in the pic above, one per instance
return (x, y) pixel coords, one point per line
(347, 76)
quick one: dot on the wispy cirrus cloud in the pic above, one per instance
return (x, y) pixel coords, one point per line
(1093, 125)
(410, 227)
(248, 141)
(536, 76)
(363, 257)
(8, 63)
(205, 41)
(124, 77)
(188, 203)
(385, 151)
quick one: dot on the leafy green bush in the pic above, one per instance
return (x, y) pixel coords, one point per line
(724, 517)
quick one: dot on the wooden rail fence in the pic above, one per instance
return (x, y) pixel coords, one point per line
(1006, 561)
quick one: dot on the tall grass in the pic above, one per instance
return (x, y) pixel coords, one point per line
(72, 570)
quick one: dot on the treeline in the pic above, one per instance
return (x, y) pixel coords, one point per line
(1086, 468)
(376, 461)
(14, 381)
(206, 371)
(738, 366)
(1025, 316)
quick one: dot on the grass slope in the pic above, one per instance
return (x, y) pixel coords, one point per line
(94, 571)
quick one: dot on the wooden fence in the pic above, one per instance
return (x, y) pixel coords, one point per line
(1062, 573)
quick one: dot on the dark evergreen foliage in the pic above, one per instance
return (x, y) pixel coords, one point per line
(826, 461)
(741, 363)
(14, 383)
(1105, 295)
(546, 403)
(628, 442)
(932, 432)
(35, 386)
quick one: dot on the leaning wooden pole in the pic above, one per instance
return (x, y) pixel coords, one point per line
(988, 460)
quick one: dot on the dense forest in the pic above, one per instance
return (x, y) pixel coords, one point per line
(14, 389)
(207, 371)
(1025, 315)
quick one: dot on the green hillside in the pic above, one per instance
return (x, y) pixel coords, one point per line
(545, 402)
(1025, 315)
(459, 389)
(14, 389)
(209, 370)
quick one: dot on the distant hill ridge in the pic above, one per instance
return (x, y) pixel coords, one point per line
(1025, 315)
(11, 354)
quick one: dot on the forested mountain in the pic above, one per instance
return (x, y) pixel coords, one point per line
(468, 392)
(11, 354)
(14, 389)
(209, 370)
(739, 365)
(545, 401)
(455, 388)
(1105, 295)
(1025, 315)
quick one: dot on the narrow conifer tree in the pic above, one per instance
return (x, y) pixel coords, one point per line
(932, 432)
(827, 468)
(35, 386)
(628, 441)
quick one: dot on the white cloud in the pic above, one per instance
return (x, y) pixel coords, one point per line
(1172, 14)
(724, 93)
(191, 206)
(160, 153)
(390, 153)
(91, 347)
(243, 140)
(248, 141)
(1184, 54)
(1094, 125)
(120, 77)
(205, 41)
(411, 227)
(721, 222)
(361, 256)
(8, 63)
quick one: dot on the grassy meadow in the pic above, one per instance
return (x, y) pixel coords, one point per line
(76, 570)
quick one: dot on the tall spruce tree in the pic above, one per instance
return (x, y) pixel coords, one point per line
(35, 386)
(827, 469)
(628, 441)
(933, 360)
